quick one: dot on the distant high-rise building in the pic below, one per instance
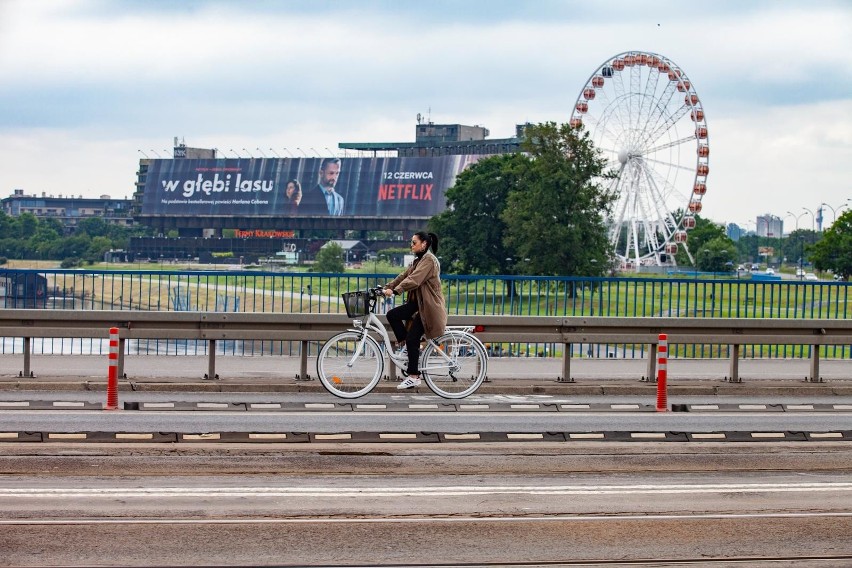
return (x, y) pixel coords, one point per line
(734, 231)
(770, 226)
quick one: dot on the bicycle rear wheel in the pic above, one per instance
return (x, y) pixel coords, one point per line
(457, 367)
(347, 369)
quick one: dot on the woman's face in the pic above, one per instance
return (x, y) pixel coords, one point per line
(417, 245)
(291, 188)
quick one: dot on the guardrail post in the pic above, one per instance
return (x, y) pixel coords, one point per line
(734, 371)
(566, 365)
(303, 362)
(211, 360)
(814, 378)
(27, 353)
(652, 364)
(121, 357)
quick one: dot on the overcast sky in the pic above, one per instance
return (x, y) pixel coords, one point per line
(86, 84)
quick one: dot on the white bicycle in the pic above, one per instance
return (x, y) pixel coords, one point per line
(352, 363)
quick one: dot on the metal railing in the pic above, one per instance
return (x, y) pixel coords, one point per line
(211, 327)
(248, 291)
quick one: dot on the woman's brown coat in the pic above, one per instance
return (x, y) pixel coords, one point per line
(423, 279)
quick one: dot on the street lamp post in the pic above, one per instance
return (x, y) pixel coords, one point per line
(813, 218)
(834, 210)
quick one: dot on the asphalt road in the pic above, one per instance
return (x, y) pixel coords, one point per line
(64, 502)
(491, 504)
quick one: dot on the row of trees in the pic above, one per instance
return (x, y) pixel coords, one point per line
(29, 237)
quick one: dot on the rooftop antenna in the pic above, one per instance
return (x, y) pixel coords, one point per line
(419, 118)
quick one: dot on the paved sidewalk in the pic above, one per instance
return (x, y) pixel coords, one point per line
(772, 377)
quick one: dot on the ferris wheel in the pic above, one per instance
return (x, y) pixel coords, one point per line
(642, 112)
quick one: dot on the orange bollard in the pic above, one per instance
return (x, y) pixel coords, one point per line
(662, 358)
(112, 376)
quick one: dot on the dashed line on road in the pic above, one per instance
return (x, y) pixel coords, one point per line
(419, 407)
(421, 437)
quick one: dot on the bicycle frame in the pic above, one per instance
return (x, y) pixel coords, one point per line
(372, 323)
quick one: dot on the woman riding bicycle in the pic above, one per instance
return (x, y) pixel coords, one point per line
(424, 308)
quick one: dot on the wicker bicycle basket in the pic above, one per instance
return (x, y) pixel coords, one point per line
(357, 304)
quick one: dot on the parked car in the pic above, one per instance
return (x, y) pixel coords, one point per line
(811, 276)
(799, 273)
(770, 271)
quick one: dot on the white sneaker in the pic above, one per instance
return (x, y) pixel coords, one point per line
(409, 383)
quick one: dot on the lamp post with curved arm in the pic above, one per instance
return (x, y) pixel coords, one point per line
(801, 243)
(813, 218)
(834, 210)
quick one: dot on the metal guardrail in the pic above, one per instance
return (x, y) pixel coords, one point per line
(305, 328)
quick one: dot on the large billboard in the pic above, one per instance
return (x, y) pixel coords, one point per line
(369, 187)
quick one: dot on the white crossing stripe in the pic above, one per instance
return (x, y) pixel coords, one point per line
(704, 407)
(708, 435)
(333, 436)
(800, 407)
(647, 434)
(267, 436)
(371, 406)
(319, 405)
(158, 404)
(768, 435)
(624, 406)
(18, 403)
(397, 436)
(586, 436)
(68, 436)
(8, 435)
(826, 434)
(422, 406)
(525, 406)
(752, 407)
(574, 406)
(524, 436)
(68, 403)
(473, 407)
(266, 405)
(132, 436)
(207, 436)
(461, 436)
(212, 405)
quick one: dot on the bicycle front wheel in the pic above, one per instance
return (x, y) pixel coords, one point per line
(457, 367)
(350, 364)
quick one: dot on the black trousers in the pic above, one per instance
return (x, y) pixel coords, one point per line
(397, 318)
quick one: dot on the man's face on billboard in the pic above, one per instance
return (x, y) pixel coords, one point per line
(329, 175)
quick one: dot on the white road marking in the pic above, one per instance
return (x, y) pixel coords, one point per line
(452, 491)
